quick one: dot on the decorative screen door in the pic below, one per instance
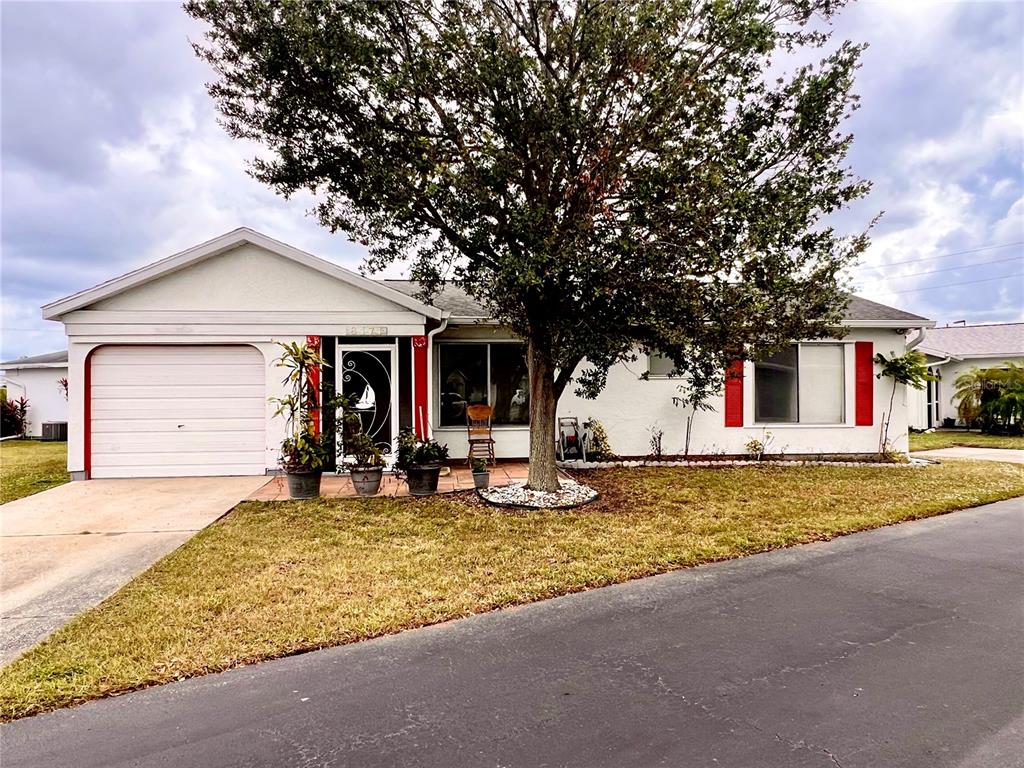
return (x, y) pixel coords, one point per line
(365, 376)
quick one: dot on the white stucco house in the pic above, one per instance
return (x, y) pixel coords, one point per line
(954, 350)
(38, 378)
(171, 367)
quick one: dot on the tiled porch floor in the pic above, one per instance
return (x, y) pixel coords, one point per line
(340, 486)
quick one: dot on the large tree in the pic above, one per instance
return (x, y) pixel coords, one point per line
(605, 176)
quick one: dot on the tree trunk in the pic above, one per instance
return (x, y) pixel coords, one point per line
(543, 474)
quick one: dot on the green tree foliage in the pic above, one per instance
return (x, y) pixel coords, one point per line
(603, 176)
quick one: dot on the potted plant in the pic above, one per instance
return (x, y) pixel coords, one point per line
(420, 462)
(481, 475)
(305, 451)
(368, 469)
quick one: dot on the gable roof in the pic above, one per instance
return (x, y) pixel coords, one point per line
(861, 312)
(220, 245)
(965, 341)
(864, 312)
(49, 360)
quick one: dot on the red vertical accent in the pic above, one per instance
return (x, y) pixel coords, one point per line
(864, 357)
(734, 394)
(314, 380)
(420, 412)
(87, 414)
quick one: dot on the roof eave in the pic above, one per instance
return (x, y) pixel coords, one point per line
(26, 366)
(895, 324)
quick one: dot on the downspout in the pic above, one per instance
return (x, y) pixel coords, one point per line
(430, 369)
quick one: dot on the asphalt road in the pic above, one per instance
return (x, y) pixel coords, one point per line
(898, 647)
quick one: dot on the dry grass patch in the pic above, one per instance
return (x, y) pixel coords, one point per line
(30, 466)
(273, 579)
(926, 441)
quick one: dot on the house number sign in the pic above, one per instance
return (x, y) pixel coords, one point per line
(367, 330)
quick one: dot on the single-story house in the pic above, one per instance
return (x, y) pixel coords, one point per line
(40, 379)
(171, 367)
(952, 351)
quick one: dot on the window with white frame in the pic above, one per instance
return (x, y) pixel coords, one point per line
(492, 374)
(802, 384)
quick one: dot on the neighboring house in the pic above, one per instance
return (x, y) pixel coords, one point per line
(952, 351)
(172, 365)
(38, 378)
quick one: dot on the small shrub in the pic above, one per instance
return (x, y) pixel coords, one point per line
(657, 437)
(598, 446)
(14, 417)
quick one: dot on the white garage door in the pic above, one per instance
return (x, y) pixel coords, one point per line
(168, 411)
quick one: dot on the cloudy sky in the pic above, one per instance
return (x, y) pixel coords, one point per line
(111, 157)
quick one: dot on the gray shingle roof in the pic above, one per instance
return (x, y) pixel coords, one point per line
(451, 298)
(49, 357)
(863, 310)
(964, 341)
(456, 301)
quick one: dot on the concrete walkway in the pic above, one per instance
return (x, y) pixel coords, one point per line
(897, 647)
(65, 549)
(1012, 455)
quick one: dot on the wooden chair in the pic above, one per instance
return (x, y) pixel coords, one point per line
(478, 427)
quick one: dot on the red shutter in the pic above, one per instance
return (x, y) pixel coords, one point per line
(864, 355)
(734, 394)
(420, 417)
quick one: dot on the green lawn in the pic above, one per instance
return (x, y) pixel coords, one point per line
(272, 579)
(926, 441)
(29, 466)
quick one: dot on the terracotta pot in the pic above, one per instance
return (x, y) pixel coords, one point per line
(304, 485)
(366, 480)
(422, 479)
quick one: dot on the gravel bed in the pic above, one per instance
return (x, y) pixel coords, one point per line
(517, 495)
(732, 463)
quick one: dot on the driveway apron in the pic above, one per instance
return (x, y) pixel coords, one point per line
(66, 549)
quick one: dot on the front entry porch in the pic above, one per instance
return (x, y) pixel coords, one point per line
(340, 486)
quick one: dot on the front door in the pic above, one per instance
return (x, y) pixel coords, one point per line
(364, 376)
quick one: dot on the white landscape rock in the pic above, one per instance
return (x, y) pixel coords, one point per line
(572, 494)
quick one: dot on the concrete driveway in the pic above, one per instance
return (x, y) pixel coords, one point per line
(65, 549)
(902, 646)
(1012, 455)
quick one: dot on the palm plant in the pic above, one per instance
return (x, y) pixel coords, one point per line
(991, 395)
(305, 449)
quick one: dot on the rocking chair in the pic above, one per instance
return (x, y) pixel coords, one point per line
(478, 427)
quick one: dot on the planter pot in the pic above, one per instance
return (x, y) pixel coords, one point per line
(422, 479)
(481, 479)
(304, 485)
(366, 480)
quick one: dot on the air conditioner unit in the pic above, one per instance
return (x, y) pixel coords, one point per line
(54, 431)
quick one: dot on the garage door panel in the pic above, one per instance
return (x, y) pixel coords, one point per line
(173, 355)
(174, 391)
(172, 442)
(121, 425)
(177, 410)
(195, 458)
(181, 470)
(178, 375)
(172, 409)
